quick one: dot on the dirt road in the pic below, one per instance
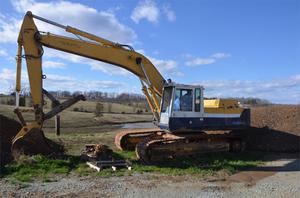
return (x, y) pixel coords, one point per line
(277, 178)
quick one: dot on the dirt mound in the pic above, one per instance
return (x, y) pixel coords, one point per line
(274, 128)
(9, 129)
(284, 118)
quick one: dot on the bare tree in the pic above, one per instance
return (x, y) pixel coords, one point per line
(99, 109)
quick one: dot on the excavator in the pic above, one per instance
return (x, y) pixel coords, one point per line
(187, 124)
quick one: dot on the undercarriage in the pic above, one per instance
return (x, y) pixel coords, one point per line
(153, 145)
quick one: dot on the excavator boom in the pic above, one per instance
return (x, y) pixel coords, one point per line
(31, 42)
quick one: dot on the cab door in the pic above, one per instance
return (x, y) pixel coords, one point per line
(166, 107)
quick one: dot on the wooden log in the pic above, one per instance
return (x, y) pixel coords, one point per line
(93, 166)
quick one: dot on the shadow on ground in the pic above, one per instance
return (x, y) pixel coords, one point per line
(269, 140)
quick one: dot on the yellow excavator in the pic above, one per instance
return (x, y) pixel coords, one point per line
(187, 124)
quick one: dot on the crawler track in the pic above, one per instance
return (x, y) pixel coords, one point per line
(170, 146)
(127, 140)
(152, 145)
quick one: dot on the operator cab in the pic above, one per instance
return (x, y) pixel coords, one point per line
(183, 108)
(180, 103)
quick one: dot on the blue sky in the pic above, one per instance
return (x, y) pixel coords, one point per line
(233, 48)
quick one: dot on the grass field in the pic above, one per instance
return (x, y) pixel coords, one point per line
(81, 128)
(110, 107)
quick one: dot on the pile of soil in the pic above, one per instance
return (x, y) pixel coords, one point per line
(34, 143)
(280, 117)
(8, 129)
(274, 128)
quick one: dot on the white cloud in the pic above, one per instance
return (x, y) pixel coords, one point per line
(58, 82)
(3, 52)
(220, 55)
(8, 79)
(54, 64)
(170, 14)
(21, 5)
(96, 85)
(196, 61)
(9, 28)
(52, 53)
(7, 75)
(102, 23)
(296, 78)
(108, 68)
(93, 64)
(200, 61)
(149, 11)
(168, 68)
(59, 78)
(273, 90)
(145, 10)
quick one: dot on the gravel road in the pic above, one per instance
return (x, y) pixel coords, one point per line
(277, 178)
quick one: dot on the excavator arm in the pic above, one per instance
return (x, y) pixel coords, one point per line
(31, 42)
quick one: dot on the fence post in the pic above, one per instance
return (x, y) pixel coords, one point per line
(57, 125)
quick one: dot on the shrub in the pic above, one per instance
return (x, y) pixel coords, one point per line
(139, 111)
(75, 109)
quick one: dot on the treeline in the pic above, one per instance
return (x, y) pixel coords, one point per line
(253, 101)
(102, 96)
(124, 98)
(91, 95)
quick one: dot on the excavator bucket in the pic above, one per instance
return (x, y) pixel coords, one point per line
(31, 140)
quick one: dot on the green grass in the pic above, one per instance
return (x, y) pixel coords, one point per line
(41, 168)
(208, 164)
(45, 168)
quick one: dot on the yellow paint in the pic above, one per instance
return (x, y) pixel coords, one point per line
(228, 106)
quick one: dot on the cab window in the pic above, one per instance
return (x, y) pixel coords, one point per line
(183, 100)
(197, 99)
